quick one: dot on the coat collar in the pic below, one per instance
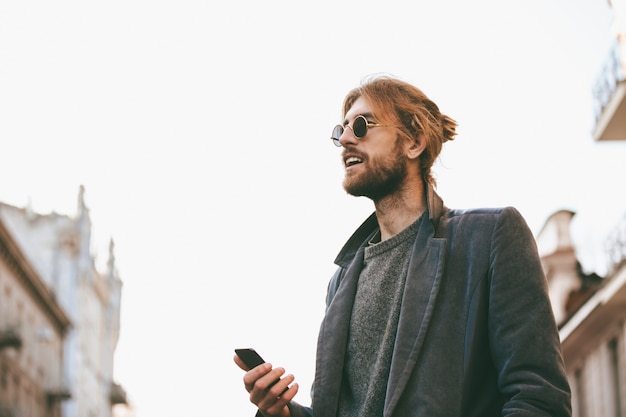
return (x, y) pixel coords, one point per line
(422, 286)
(363, 234)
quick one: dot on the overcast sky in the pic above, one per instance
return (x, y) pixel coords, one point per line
(200, 130)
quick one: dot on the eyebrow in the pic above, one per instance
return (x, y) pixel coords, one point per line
(367, 115)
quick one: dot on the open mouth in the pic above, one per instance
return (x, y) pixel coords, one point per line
(353, 160)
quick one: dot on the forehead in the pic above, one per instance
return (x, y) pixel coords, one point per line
(360, 106)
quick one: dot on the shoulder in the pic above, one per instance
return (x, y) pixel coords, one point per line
(488, 214)
(484, 220)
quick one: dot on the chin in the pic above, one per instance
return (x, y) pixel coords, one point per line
(356, 190)
(351, 187)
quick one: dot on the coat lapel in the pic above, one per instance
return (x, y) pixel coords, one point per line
(418, 301)
(331, 344)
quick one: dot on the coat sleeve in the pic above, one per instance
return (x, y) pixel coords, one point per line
(524, 338)
(296, 409)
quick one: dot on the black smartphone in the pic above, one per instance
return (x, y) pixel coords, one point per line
(249, 357)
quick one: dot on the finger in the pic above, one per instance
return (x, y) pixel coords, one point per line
(277, 389)
(274, 405)
(259, 387)
(290, 393)
(281, 386)
(252, 378)
(268, 379)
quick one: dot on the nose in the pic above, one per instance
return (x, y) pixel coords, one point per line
(347, 138)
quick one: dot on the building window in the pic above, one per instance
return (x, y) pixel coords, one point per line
(4, 378)
(614, 362)
(580, 405)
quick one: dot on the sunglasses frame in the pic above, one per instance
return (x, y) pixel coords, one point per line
(342, 129)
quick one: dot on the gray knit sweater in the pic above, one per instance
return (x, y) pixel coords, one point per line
(374, 324)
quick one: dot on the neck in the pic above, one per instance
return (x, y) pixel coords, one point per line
(398, 211)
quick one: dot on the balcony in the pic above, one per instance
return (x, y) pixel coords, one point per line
(58, 394)
(606, 306)
(10, 338)
(609, 96)
(118, 394)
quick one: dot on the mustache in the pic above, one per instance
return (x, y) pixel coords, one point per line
(352, 152)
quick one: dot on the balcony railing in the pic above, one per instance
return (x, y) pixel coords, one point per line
(616, 246)
(609, 95)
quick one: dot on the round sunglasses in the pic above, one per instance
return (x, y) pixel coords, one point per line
(359, 129)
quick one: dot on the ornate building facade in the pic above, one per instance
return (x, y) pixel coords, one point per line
(591, 314)
(59, 317)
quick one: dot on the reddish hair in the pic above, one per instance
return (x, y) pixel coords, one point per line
(402, 104)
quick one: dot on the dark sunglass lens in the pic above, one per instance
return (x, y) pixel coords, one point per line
(359, 127)
(337, 132)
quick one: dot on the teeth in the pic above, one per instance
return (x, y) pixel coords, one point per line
(353, 160)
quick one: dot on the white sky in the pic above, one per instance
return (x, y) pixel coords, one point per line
(200, 131)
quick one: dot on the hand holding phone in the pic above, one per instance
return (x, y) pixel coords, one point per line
(252, 359)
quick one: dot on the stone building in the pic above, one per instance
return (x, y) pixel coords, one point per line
(59, 317)
(591, 311)
(32, 329)
(591, 314)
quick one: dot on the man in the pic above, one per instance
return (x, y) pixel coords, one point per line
(432, 312)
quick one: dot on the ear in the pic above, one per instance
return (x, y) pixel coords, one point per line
(416, 148)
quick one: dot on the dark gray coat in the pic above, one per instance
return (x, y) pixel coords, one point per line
(476, 335)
